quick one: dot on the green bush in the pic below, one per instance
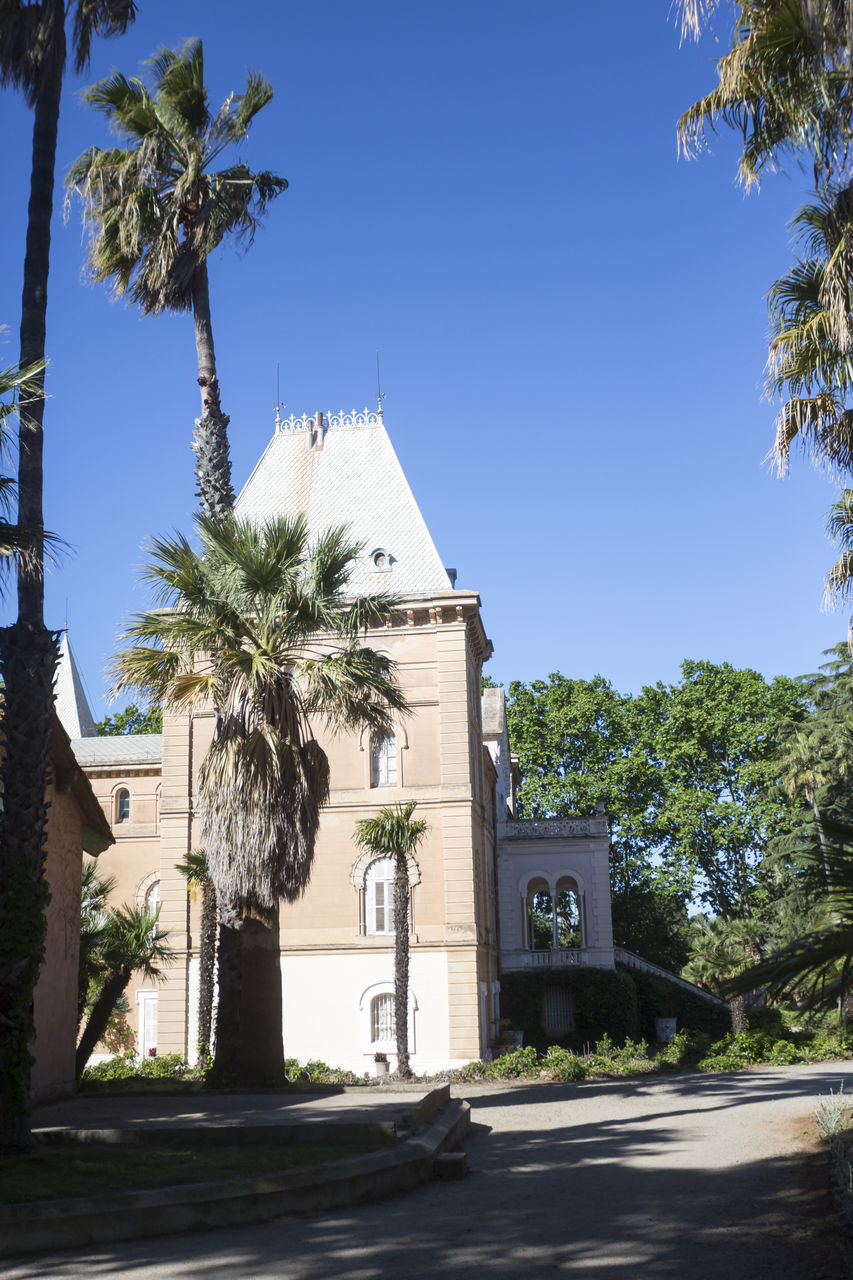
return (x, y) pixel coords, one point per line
(511, 1066)
(628, 1059)
(316, 1072)
(562, 1064)
(168, 1067)
(684, 1050)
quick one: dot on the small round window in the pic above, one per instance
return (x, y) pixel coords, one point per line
(381, 560)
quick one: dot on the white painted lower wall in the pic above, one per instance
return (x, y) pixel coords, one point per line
(326, 1000)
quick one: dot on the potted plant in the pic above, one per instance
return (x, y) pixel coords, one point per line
(380, 1061)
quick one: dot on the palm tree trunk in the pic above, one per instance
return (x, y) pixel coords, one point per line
(249, 1049)
(737, 1006)
(95, 1028)
(401, 963)
(28, 656)
(210, 438)
(207, 970)
(821, 835)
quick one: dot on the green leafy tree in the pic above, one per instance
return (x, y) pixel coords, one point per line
(652, 923)
(197, 874)
(393, 833)
(238, 629)
(158, 208)
(33, 51)
(130, 942)
(714, 739)
(132, 720)
(576, 744)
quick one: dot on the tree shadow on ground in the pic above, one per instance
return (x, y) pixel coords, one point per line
(606, 1198)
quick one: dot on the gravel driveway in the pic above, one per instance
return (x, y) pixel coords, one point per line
(696, 1176)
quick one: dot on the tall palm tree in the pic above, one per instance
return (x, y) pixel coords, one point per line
(255, 624)
(33, 51)
(811, 760)
(197, 873)
(392, 833)
(809, 368)
(786, 86)
(157, 209)
(130, 942)
(816, 966)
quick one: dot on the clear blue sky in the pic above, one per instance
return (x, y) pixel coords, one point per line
(571, 324)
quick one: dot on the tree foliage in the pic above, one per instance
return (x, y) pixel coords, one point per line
(686, 772)
(132, 719)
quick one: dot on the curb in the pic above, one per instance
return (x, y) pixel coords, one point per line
(127, 1215)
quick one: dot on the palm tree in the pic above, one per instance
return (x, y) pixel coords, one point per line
(810, 368)
(194, 867)
(816, 965)
(157, 210)
(392, 833)
(33, 50)
(720, 949)
(256, 625)
(785, 86)
(131, 942)
(95, 892)
(810, 761)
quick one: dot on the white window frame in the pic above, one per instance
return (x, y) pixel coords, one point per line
(365, 1010)
(379, 916)
(147, 1034)
(384, 761)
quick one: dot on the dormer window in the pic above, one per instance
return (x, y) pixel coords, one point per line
(381, 560)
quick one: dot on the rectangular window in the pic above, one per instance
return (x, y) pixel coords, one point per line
(382, 1020)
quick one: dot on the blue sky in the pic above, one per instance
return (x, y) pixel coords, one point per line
(571, 323)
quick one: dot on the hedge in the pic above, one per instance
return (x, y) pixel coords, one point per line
(615, 1002)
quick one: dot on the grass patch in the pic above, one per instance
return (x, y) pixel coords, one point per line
(63, 1170)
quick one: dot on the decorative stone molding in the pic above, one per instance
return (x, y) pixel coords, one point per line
(363, 861)
(551, 828)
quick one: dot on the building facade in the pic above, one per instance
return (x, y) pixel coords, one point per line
(483, 887)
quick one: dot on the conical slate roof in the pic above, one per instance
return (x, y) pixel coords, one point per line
(349, 474)
(72, 705)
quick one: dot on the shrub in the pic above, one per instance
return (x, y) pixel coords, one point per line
(562, 1064)
(684, 1050)
(510, 1066)
(168, 1067)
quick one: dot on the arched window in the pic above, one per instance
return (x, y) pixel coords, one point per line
(383, 1024)
(152, 898)
(123, 805)
(379, 896)
(383, 762)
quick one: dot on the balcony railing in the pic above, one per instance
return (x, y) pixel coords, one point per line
(553, 958)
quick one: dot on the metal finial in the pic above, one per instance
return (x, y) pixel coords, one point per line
(278, 405)
(380, 394)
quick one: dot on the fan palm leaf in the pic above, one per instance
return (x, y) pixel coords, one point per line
(157, 207)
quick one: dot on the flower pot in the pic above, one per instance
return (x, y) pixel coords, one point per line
(381, 1068)
(665, 1029)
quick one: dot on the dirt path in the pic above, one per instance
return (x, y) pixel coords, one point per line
(715, 1177)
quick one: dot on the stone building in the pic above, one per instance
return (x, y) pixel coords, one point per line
(484, 888)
